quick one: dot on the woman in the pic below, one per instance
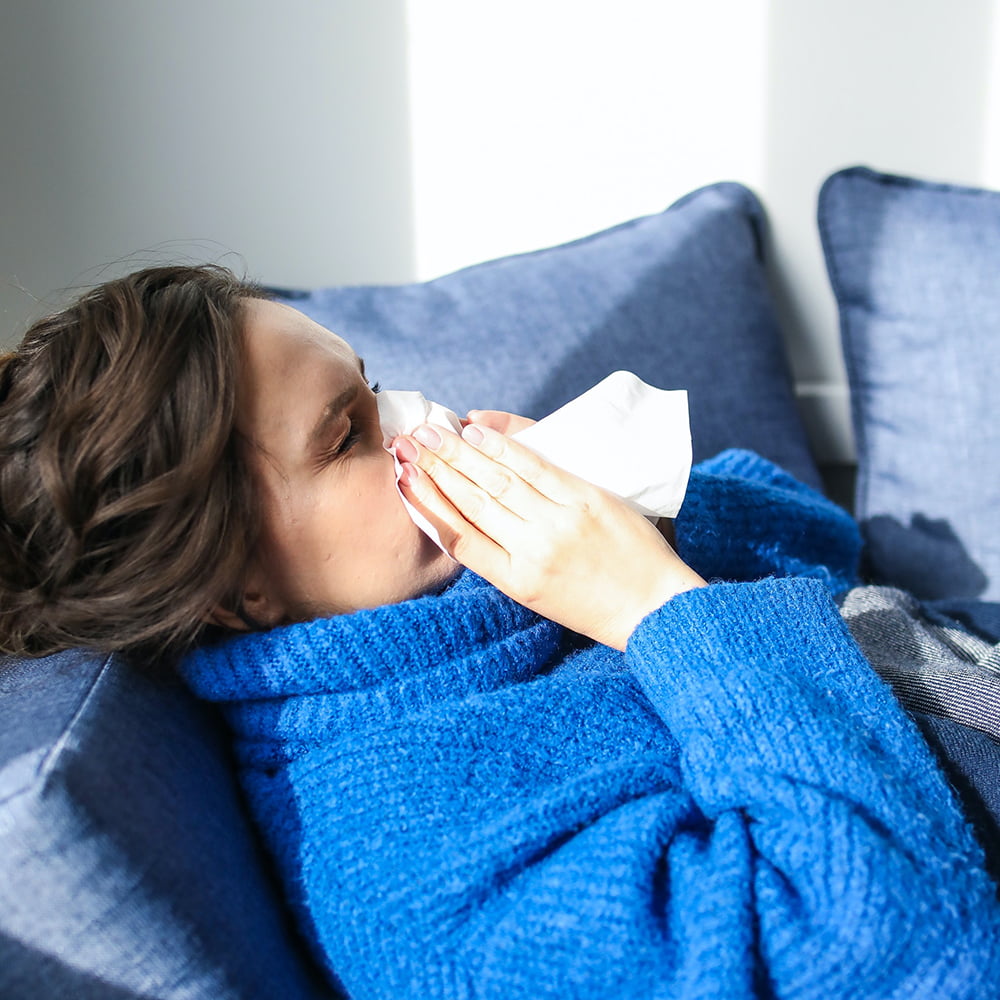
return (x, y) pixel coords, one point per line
(574, 769)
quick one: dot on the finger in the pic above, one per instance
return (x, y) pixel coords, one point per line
(488, 509)
(544, 477)
(463, 540)
(455, 465)
(498, 420)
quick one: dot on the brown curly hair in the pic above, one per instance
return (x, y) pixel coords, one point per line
(126, 512)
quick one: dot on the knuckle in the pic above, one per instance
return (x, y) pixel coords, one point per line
(494, 445)
(449, 446)
(428, 461)
(591, 503)
(531, 467)
(474, 507)
(501, 484)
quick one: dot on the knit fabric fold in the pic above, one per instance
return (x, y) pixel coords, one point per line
(465, 801)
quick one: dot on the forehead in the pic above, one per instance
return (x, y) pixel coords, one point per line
(291, 369)
(282, 335)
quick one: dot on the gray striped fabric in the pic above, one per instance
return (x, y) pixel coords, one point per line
(931, 667)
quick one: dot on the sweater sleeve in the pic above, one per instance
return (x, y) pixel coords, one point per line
(744, 518)
(859, 858)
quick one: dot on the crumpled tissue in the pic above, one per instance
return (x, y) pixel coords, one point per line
(623, 435)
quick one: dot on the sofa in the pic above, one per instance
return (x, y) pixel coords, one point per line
(130, 866)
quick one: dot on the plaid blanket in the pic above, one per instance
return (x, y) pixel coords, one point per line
(948, 679)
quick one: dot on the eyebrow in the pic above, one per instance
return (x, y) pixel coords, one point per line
(331, 412)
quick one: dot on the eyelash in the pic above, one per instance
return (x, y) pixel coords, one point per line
(351, 438)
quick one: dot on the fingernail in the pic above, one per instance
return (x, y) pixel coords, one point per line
(428, 437)
(405, 452)
(408, 473)
(473, 434)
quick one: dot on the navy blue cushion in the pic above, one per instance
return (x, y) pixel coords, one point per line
(915, 267)
(680, 298)
(971, 760)
(127, 867)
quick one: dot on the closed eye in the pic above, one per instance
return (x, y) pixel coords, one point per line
(342, 447)
(355, 429)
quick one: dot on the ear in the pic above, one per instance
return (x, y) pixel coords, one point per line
(230, 620)
(256, 611)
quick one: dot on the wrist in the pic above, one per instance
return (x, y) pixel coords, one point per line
(679, 580)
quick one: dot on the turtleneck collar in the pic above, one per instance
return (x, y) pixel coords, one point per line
(468, 629)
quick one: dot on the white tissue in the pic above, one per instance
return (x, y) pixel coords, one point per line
(623, 435)
(399, 412)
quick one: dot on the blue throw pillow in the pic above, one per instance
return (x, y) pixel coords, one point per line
(680, 298)
(128, 868)
(915, 267)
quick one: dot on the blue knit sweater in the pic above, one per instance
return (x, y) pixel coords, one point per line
(465, 800)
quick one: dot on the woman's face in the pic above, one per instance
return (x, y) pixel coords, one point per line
(336, 537)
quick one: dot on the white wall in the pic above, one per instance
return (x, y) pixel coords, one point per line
(537, 121)
(342, 141)
(271, 133)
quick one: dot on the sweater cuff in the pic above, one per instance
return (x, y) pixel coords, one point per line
(764, 677)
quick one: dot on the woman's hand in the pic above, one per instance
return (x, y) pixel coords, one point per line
(552, 542)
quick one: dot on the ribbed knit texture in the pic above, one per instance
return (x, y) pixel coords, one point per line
(466, 801)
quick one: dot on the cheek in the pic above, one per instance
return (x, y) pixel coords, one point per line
(367, 504)
(384, 497)
(347, 514)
